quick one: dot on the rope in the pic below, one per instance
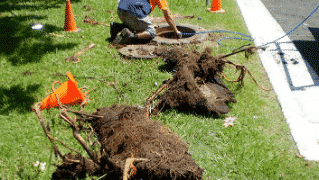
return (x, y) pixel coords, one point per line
(53, 89)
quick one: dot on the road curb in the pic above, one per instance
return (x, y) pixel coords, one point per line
(292, 84)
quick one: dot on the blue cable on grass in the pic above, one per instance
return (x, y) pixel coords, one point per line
(250, 38)
(221, 31)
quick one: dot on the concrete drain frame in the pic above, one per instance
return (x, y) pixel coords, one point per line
(138, 52)
(146, 51)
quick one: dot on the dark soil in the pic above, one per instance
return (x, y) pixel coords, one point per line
(126, 132)
(72, 170)
(196, 84)
(170, 35)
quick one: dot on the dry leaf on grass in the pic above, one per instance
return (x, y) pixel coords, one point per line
(229, 121)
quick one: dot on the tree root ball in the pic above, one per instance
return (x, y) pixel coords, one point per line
(196, 83)
(134, 147)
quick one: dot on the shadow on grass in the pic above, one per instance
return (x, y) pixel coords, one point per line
(189, 111)
(17, 98)
(20, 44)
(9, 5)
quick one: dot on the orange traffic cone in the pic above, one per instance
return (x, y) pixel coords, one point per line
(216, 7)
(68, 93)
(69, 24)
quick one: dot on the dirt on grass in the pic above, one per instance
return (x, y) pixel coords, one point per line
(196, 83)
(133, 147)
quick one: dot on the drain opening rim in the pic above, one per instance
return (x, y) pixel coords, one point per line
(194, 38)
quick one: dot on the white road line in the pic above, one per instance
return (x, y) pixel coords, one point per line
(295, 89)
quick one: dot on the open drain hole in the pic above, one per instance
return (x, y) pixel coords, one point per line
(171, 35)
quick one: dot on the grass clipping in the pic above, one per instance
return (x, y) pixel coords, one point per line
(132, 147)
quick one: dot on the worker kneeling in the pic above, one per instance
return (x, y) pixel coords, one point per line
(134, 15)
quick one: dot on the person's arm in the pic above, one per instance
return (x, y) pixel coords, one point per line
(170, 20)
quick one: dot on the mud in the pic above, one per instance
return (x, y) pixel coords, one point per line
(126, 132)
(170, 35)
(196, 83)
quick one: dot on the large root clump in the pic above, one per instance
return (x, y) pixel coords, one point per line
(132, 147)
(150, 151)
(196, 84)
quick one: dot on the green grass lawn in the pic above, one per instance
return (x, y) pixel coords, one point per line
(258, 146)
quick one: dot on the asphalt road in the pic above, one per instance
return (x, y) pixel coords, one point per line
(288, 14)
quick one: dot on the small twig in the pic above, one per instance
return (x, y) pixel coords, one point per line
(72, 160)
(88, 19)
(242, 50)
(55, 147)
(150, 99)
(242, 75)
(27, 73)
(13, 14)
(90, 135)
(67, 146)
(75, 58)
(82, 113)
(60, 74)
(78, 137)
(65, 119)
(257, 82)
(58, 35)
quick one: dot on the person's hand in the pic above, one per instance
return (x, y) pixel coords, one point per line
(179, 34)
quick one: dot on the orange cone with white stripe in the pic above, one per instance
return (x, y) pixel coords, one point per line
(69, 24)
(216, 7)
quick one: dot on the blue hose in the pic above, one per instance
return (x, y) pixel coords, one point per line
(250, 38)
(219, 31)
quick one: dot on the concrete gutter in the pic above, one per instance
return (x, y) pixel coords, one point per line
(296, 91)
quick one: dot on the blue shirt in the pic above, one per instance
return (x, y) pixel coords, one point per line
(138, 8)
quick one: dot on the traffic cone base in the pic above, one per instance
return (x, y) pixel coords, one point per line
(218, 11)
(75, 31)
(68, 93)
(216, 7)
